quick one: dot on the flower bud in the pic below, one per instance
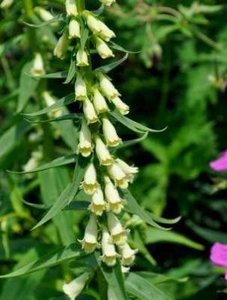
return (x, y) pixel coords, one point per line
(119, 177)
(93, 23)
(44, 14)
(98, 204)
(71, 8)
(33, 162)
(99, 102)
(80, 89)
(115, 203)
(128, 255)
(75, 287)
(90, 183)
(90, 242)
(85, 142)
(128, 170)
(120, 106)
(102, 152)
(118, 233)
(74, 29)
(107, 87)
(89, 112)
(104, 32)
(62, 46)
(6, 4)
(103, 50)
(107, 2)
(109, 254)
(50, 100)
(82, 58)
(38, 67)
(110, 134)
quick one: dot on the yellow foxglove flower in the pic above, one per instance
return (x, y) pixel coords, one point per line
(82, 58)
(85, 142)
(62, 46)
(128, 255)
(80, 89)
(107, 87)
(89, 112)
(109, 254)
(6, 4)
(105, 32)
(99, 102)
(130, 171)
(90, 242)
(74, 29)
(103, 50)
(75, 287)
(38, 66)
(115, 203)
(50, 100)
(118, 233)
(110, 134)
(119, 177)
(98, 204)
(120, 106)
(90, 183)
(44, 14)
(107, 2)
(71, 8)
(102, 152)
(93, 23)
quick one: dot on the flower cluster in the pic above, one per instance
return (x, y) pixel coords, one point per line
(106, 174)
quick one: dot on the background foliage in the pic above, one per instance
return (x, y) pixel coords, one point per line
(177, 79)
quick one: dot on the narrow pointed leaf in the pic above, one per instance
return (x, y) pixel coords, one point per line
(122, 49)
(109, 67)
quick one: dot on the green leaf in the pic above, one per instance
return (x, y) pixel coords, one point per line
(62, 102)
(84, 37)
(109, 67)
(144, 289)
(122, 49)
(154, 235)
(71, 73)
(68, 193)
(78, 205)
(72, 116)
(12, 137)
(47, 261)
(133, 142)
(134, 126)
(115, 280)
(61, 74)
(27, 86)
(134, 208)
(58, 162)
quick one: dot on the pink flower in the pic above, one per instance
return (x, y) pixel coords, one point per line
(218, 256)
(220, 164)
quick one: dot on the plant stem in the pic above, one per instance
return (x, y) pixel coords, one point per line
(80, 5)
(102, 285)
(28, 6)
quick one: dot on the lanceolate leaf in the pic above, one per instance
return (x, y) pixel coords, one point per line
(62, 102)
(61, 74)
(109, 67)
(120, 48)
(72, 116)
(134, 208)
(60, 161)
(71, 72)
(47, 261)
(67, 195)
(141, 288)
(134, 126)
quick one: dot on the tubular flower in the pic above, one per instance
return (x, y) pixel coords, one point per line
(218, 256)
(98, 204)
(89, 112)
(99, 102)
(50, 100)
(75, 287)
(115, 203)
(71, 8)
(118, 233)
(74, 29)
(128, 254)
(109, 254)
(220, 164)
(6, 4)
(62, 46)
(80, 89)
(82, 58)
(130, 171)
(85, 141)
(107, 87)
(118, 176)
(120, 106)
(90, 183)
(93, 23)
(103, 50)
(90, 242)
(44, 14)
(107, 2)
(104, 32)
(38, 66)
(110, 134)
(102, 152)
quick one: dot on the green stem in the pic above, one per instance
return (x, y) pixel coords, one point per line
(80, 5)
(102, 285)
(28, 6)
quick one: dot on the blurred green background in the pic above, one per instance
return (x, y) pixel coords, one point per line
(176, 78)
